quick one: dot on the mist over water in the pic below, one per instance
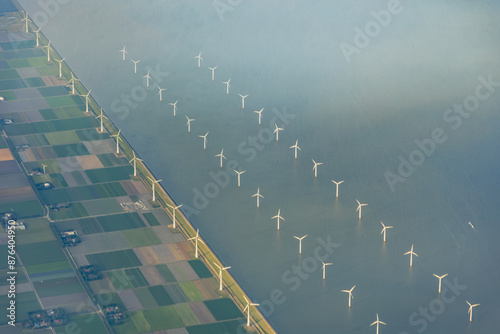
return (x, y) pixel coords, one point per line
(356, 117)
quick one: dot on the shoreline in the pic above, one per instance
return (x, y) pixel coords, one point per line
(235, 291)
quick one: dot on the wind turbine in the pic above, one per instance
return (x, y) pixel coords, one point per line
(220, 274)
(260, 114)
(159, 92)
(196, 239)
(337, 187)
(470, 224)
(315, 168)
(324, 268)
(277, 131)
(175, 106)
(135, 159)
(154, 182)
(300, 242)
(26, 19)
(378, 322)
(221, 155)
(227, 86)
(359, 208)
(173, 214)
(44, 166)
(440, 278)
(199, 59)
(204, 140)
(247, 308)
(239, 174)
(243, 100)
(188, 124)
(213, 72)
(48, 51)
(37, 32)
(60, 66)
(86, 101)
(278, 217)
(296, 147)
(384, 229)
(118, 140)
(135, 65)
(101, 116)
(147, 79)
(350, 294)
(123, 51)
(72, 82)
(258, 195)
(470, 310)
(411, 252)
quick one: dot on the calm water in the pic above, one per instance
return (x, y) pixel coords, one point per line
(356, 117)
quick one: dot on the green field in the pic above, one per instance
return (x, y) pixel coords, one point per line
(186, 314)
(141, 237)
(9, 74)
(110, 159)
(16, 45)
(109, 174)
(58, 286)
(91, 134)
(40, 252)
(200, 269)
(161, 318)
(76, 210)
(83, 193)
(160, 295)
(26, 209)
(114, 260)
(62, 137)
(136, 277)
(119, 280)
(233, 326)
(123, 221)
(32, 140)
(145, 298)
(223, 309)
(88, 323)
(103, 206)
(35, 82)
(20, 278)
(53, 91)
(79, 179)
(25, 302)
(51, 126)
(165, 273)
(12, 84)
(38, 230)
(150, 217)
(47, 267)
(90, 225)
(70, 150)
(109, 298)
(191, 291)
(8, 95)
(62, 101)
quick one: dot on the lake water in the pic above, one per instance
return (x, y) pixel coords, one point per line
(360, 112)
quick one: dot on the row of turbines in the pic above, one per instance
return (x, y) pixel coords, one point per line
(258, 195)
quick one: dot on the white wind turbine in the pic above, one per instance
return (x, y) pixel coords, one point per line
(227, 86)
(220, 274)
(296, 147)
(26, 19)
(196, 239)
(173, 213)
(188, 124)
(213, 72)
(378, 322)
(411, 252)
(72, 82)
(148, 77)
(315, 168)
(384, 229)
(440, 278)
(359, 208)
(277, 131)
(123, 51)
(175, 106)
(258, 195)
(337, 187)
(239, 174)
(48, 51)
(243, 100)
(324, 268)
(247, 308)
(101, 117)
(300, 242)
(86, 101)
(470, 309)
(135, 65)
(160, 90)
(60, 66)
(135, 159)
(221, 155)
(118, 140)
(204, 140)
(37, 32)
(199, 59)
(278, 217)
(350, 294)
(153, 185)
(260, 114)
(44, 166)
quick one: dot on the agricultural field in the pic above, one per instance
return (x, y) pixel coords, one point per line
(114, 260)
